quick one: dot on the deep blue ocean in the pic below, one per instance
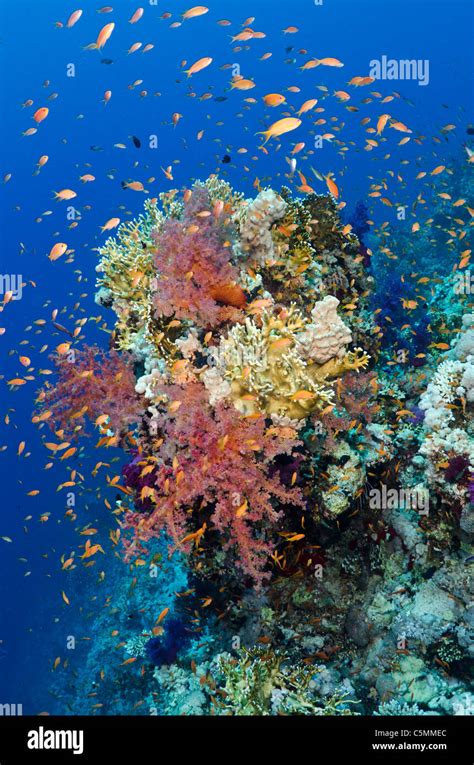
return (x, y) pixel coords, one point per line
(79, 136)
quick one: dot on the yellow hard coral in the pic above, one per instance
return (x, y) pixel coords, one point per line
(268, 367)
(127, 270)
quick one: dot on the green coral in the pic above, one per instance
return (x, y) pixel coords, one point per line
(262, 682)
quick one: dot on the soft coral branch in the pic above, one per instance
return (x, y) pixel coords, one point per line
(215, 464)
(196, 279)
(91, 383)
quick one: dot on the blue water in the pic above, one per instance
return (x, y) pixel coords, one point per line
(33, 616)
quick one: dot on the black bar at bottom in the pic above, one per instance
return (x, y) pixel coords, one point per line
(424, 739)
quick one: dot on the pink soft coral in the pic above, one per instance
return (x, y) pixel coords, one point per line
(91, 383)
(213, 467)
(196, 279)
(354, 406)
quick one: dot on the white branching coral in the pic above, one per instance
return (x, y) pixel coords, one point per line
(448, 421)
(440, 393)
(217, 387)
(256, 222)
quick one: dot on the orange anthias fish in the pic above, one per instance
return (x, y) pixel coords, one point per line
(73, 19)
(136, 16)
(229, 294)
(198, 66)
(280, 128)
(274, 99)
(102, 37)
(192, 13)
(111, 223)
(65, 194)
(381, 122)
(58, 250)
(41, 114)
(307, 106)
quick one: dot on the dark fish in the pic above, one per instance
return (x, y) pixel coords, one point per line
(136, 141)
(219, 99)
(96, 148)
(226, 159)
(470, 130)
(106, 61)
(62, 329)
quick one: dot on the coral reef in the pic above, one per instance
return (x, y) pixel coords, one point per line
(304, 456)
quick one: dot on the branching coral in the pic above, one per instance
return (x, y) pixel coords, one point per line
(263, 682)
(90, 384)
(280, 366)
(448, 445)
(196, 280)
(126, 269)
(211, 472)
(228, 372)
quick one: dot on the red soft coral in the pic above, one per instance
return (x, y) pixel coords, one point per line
(213, 467)
(91, 383)
(354, 406)
(196, 279)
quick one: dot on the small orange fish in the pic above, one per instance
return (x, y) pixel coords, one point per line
(102, 37)
(73, 19)
(192, 13)
(332, 187)
(40, 114)
(110, 224)
(280, 128)
(274, 99)
(199, 65)
(57, 251)
(136, 16)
